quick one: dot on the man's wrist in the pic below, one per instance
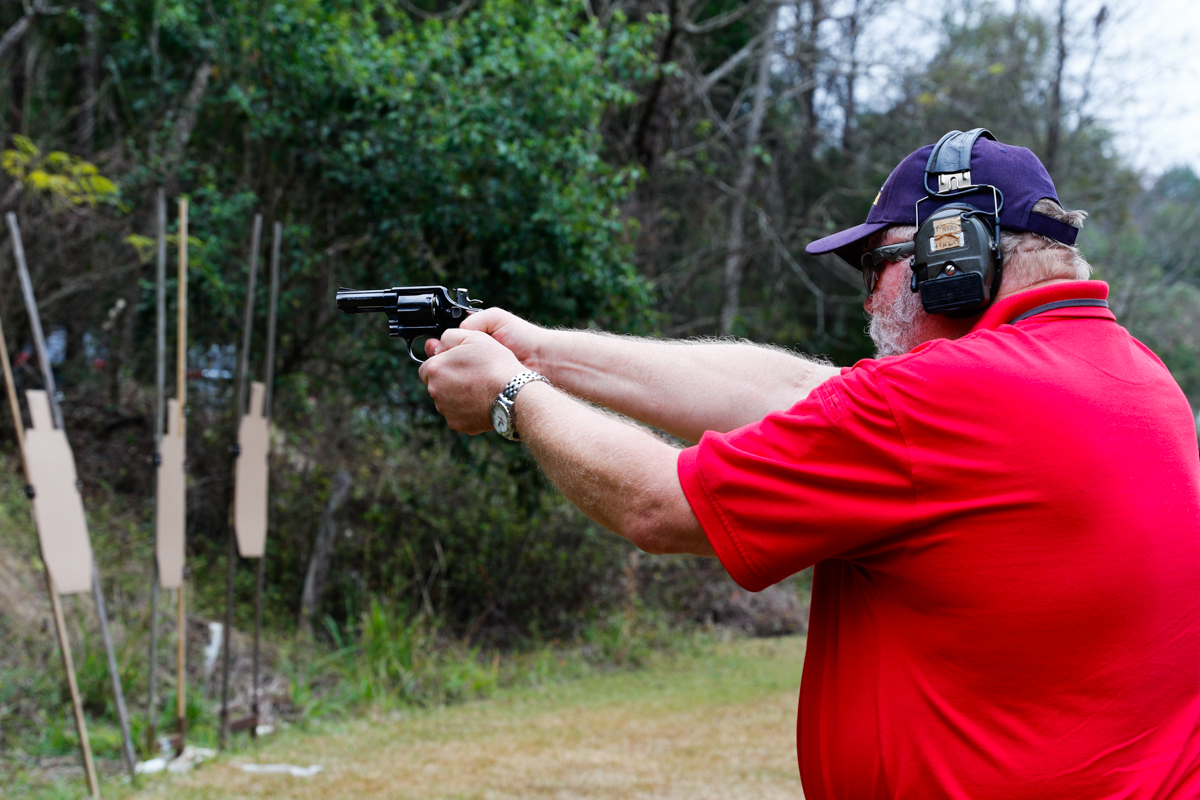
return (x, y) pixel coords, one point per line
(546, 348)
(503, 408)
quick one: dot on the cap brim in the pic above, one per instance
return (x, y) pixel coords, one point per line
(847, 244)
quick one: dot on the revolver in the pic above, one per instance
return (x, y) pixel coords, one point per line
(413, 312)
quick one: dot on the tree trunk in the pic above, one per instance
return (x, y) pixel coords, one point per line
(89, 67)
(318, 564)
(735, 251)
(807, 56)
(17, 40)
(155, 58)
(849, 106)
(643, 142)
(1054, 123)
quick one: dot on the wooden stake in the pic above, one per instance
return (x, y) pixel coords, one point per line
(60, 628)
(13, 405)
(85, 744)
(181, 396)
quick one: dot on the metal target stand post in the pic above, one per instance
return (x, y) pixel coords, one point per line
(159, 418)
(180, 418)
(248, 509)
(276, 245)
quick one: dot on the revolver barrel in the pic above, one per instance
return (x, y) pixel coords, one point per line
(354, 302)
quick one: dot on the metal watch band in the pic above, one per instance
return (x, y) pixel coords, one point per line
(519, 380)
(505, 401)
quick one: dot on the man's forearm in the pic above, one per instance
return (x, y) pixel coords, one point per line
(621, 476)
(684, 388)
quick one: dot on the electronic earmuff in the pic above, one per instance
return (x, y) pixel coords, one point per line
(957, 263)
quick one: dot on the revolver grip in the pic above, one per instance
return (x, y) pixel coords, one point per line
(447, 318)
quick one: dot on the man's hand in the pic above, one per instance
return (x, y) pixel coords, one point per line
(523, 338)
(465, 371)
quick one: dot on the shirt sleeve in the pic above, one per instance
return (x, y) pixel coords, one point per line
(829, 477)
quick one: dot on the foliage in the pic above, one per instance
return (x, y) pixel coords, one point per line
(68, 179)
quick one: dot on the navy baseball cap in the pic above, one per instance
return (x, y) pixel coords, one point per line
(1015, 171)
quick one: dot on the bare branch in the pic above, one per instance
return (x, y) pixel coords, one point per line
(453, 13)
(14, 34)
(86, 282)
(718, 22)
(187, 116)
(730, 63)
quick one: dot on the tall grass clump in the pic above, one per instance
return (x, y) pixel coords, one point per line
(393, 658)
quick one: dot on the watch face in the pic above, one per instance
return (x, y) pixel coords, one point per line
(499, 418)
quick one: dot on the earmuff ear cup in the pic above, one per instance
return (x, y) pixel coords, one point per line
(956, 263)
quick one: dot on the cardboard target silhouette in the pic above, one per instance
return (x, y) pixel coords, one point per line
(169, 536)
(250, 483)
(57, 504)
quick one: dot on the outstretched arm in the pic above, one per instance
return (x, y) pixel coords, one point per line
(684, 388)
(621, 476)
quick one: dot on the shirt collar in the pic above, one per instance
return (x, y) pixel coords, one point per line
(1015, 305)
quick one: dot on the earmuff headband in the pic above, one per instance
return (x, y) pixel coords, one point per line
(950, 162)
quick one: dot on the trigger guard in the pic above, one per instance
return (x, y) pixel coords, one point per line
(410, 351)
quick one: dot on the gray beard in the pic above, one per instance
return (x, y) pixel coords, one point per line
(893, 328)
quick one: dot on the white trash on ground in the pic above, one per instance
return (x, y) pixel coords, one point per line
(216, 634)
(150, 767)
(190, 757)
(282, 769)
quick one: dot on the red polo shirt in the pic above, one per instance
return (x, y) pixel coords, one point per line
(1006, 529)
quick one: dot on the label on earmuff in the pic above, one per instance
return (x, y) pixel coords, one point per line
(947, 234)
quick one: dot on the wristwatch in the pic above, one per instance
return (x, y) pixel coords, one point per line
(503, 419)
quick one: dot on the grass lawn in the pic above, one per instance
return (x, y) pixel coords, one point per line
(715, 725)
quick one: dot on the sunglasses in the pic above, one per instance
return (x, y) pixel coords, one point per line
(873, 261)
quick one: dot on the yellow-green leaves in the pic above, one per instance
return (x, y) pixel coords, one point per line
(69, 180)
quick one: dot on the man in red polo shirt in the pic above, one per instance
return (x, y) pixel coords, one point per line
(1003, 507)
